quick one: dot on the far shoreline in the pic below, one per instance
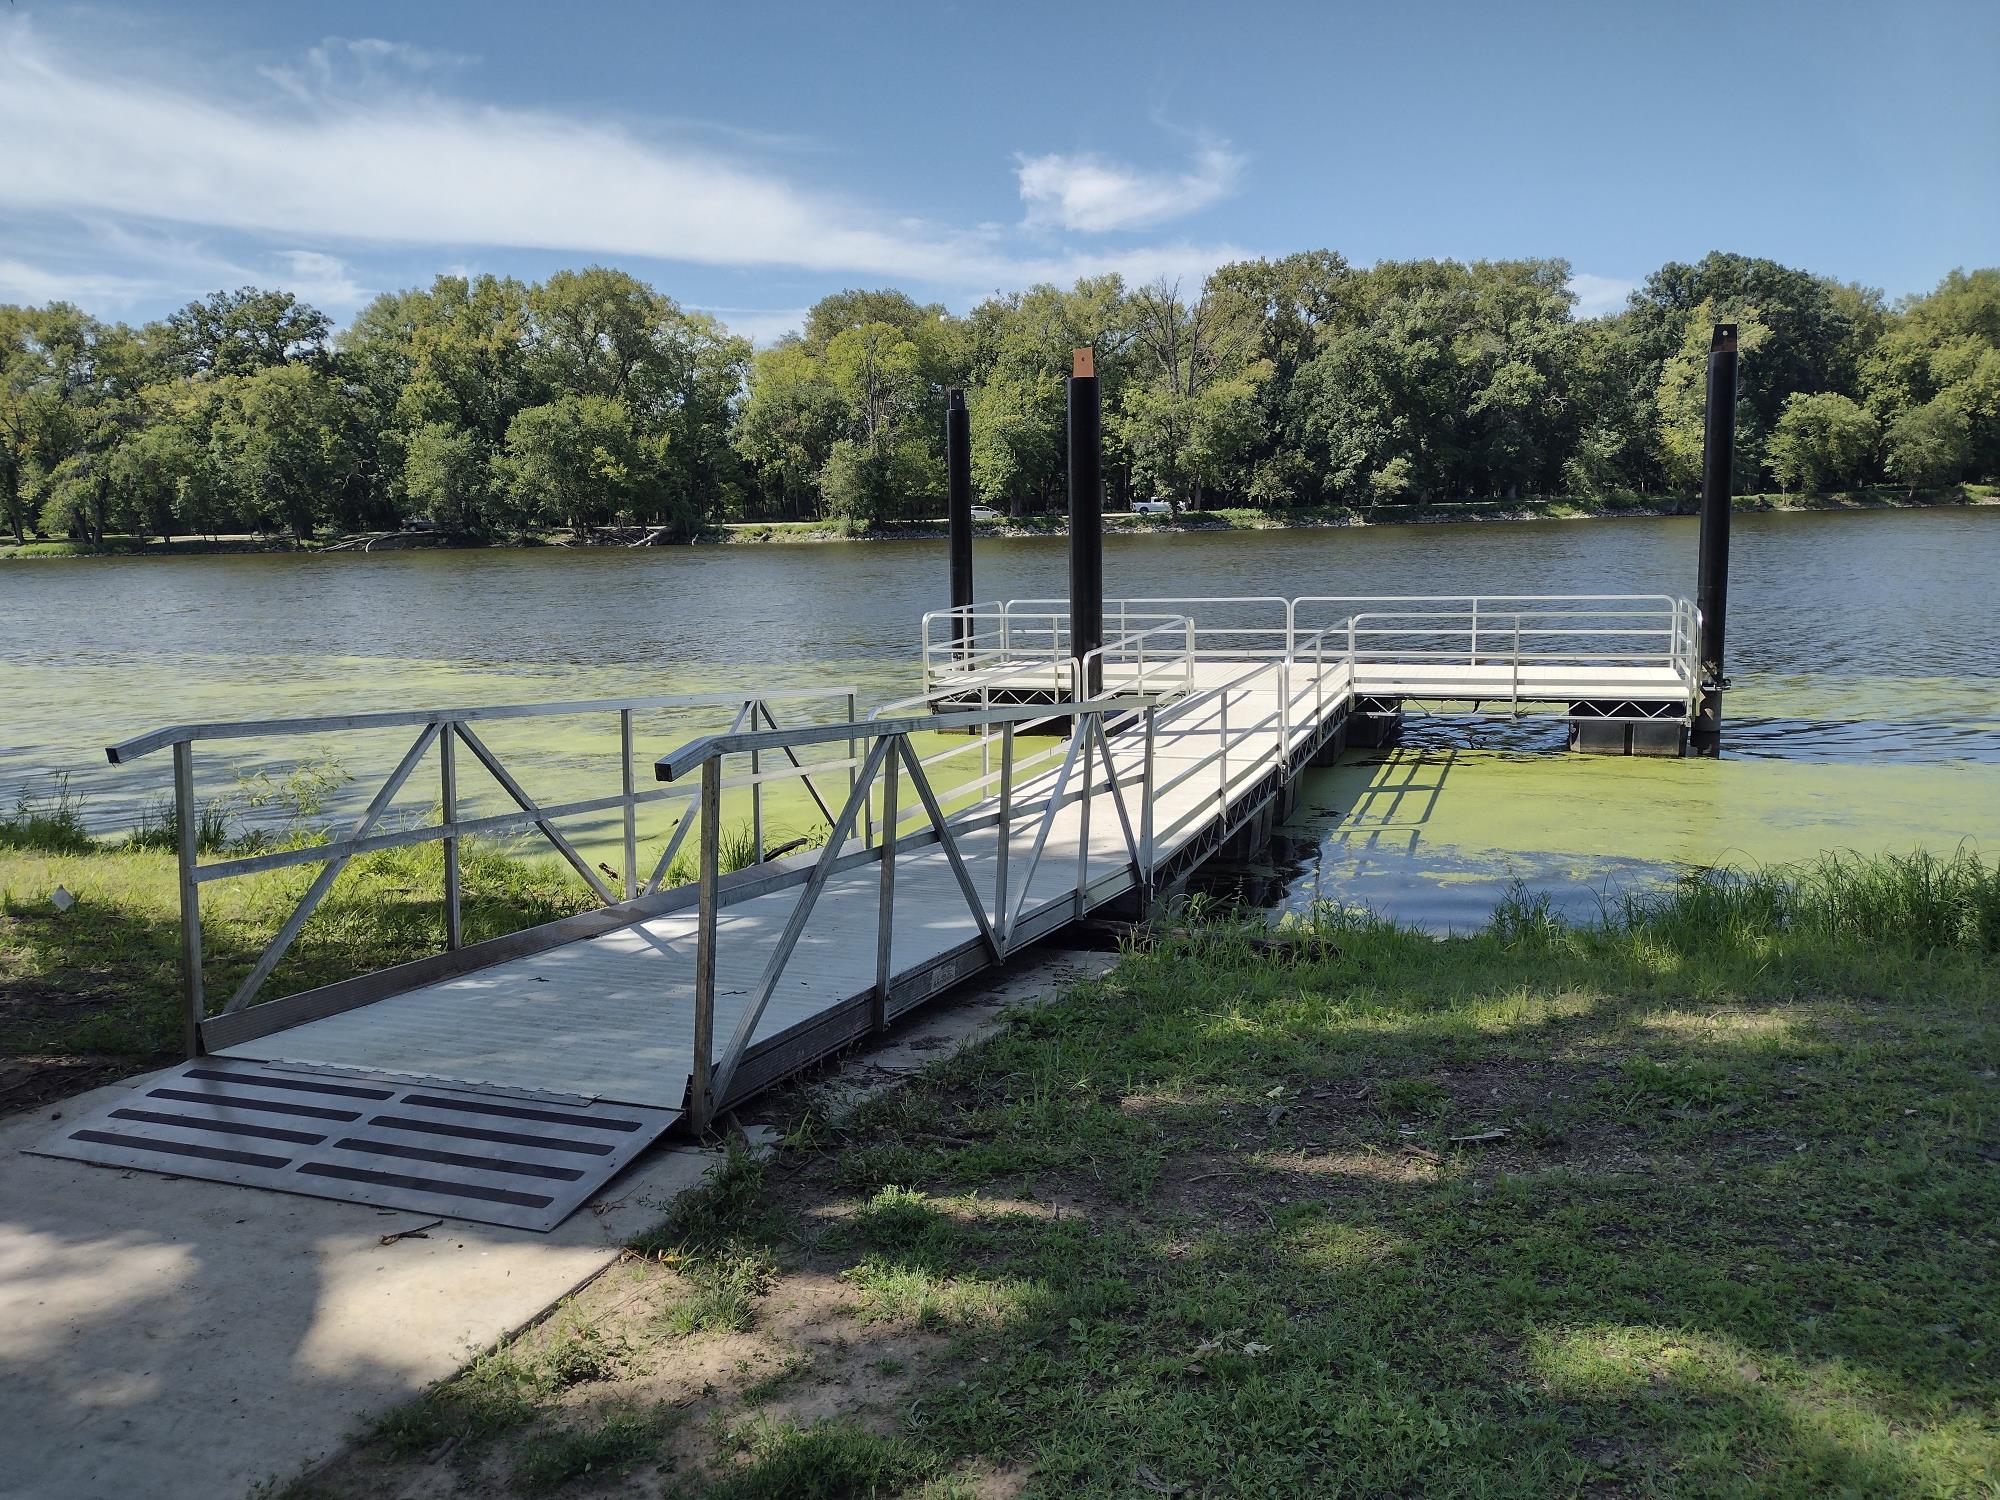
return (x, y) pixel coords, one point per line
(761, 533)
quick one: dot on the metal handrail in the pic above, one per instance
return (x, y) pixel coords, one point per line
(1527, 638)
(126, 751)
(889, 758)
(446, 730)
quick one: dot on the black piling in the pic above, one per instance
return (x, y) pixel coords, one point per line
(958, 510)
(1711, 595)
(1086, 522)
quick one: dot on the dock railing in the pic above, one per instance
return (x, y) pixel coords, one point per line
(1522, 633)
(1010, 787)
(440, 734)
(1026, 644)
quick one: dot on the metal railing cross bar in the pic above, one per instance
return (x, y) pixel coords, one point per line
(928, 796)
(673, 766)
(1042, 835)
(316, 892)
(795, 923)
(527, 804)
(133, 749)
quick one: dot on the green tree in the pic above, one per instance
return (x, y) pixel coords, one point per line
(1682, 399)
(242, 332)
(1187, 349)
(1822, 442)
(448, 475)
(792, 418)
(1021, 351)
(19, 417)
(1816, 334)
(160, 473)
(1930, 445)
(281, 443)
(574, 460)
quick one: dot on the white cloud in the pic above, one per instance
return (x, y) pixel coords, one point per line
(358, 63)
(21, 281)
(324, 280)
(357, 152)
(1598, 295)
(414, 168)
(1091, 194)
(763, 326)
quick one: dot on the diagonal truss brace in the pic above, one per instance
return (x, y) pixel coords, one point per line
(950, 845)
(687, 822)
(795, 925)
(1055, 805)
(329, 872)
(529, 806)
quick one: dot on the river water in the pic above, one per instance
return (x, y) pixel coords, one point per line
(1864, 648)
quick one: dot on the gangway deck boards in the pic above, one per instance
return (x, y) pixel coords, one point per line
(516, 1159)
(611, 1016)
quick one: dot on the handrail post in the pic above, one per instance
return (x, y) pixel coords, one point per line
(701, 1108)
(631, 805)
(853, 769)
(1284, 711)
(885, 920)
(187, 831)
(1006, 833)
(1222, 787)
(1146, 808)
(1475, 631)
(1080, 725)
(1514, 706)
(454, 931)
(1319, 681)
(756, 798)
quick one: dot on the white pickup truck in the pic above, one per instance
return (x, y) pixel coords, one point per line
(1154, 507)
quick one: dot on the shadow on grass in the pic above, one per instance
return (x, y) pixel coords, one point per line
(1735, 1236)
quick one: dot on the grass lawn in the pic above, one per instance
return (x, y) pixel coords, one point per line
(1703, 1202)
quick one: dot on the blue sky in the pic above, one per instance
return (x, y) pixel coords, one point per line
(749, 158)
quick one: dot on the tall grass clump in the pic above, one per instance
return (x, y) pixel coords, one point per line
(736, 849)
(159, 827)
(48, 825)
(1894, 902)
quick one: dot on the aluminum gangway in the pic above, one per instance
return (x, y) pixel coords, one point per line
(508, 1078)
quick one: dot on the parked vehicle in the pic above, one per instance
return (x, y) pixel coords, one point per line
(985, 513)
(1157, 506)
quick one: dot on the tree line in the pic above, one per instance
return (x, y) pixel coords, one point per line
(490, 406)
